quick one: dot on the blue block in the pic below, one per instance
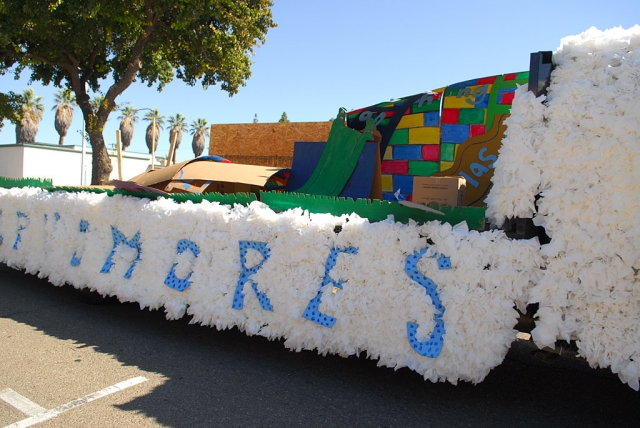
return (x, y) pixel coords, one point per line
(389, 197)
(454, 133)
(483, 102)
(464, 84)
(404, 183)
(432, 118)
(408, 152)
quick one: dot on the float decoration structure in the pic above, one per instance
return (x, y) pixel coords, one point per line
(422, 134)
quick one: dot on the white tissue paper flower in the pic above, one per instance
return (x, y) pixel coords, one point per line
(580, 151)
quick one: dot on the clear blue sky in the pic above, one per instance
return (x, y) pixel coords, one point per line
(335, 53)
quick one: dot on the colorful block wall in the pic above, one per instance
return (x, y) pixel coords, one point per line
(421, 133)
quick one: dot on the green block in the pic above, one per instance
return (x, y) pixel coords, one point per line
(385, 104)
(453, 91)
(399, 137)
(447, 152)
(423, 169)
(471, 116)
(522, 75)
(434, 106)
(384, 122)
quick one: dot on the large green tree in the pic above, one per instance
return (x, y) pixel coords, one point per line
(9, 108)
(80, 44)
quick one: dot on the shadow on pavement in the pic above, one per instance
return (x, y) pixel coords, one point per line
(225, 378)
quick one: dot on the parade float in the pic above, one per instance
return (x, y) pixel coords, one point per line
(437, 288)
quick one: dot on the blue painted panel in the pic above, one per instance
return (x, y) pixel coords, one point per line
(404, 183)
(306, 156)
(454, 133)
(407, 152)
(432, 118)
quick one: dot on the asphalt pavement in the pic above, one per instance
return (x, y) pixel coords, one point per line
(55, 348)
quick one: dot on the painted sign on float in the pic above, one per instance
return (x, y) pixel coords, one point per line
(426, 134)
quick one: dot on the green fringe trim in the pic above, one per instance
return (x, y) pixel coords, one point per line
(8, 183)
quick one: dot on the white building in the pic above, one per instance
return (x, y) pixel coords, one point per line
(65, 165)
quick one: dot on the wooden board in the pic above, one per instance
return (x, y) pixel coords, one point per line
(266, 144)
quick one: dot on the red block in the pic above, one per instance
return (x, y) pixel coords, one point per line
(507, 98)
(487, 80)
(394, 167)
(431, 152)
(511, 76)
(476, 130)
(355, 111)
(450, 116)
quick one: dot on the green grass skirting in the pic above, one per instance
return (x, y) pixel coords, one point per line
(8, 183)
(277, 201)
(230, 199)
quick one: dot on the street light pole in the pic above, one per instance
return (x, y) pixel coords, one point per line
(153, 142)
(82, 174)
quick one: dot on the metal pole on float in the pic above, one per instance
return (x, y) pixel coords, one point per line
(153, 142)
(82, 180)
(82, 158)
(119, 155)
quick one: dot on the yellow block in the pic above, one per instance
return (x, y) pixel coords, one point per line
(387, 183)
(424, 135)
(455, 102)
(444, 165)
(411, 121)
(388, 153)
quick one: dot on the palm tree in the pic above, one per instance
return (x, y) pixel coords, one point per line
(65, 103)
(128, 117)
(31, 114)
(199, 130)
(178, 124)
(151, 134)
(96, 101)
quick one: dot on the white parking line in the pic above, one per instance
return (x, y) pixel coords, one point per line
(20, 402)
(48, 414)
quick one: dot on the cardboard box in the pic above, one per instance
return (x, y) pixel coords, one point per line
(201, 175)
(441, 190)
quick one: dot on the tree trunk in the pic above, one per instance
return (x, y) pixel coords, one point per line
(102, 167)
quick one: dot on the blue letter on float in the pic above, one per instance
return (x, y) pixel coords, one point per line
(119, 238)
(84, 227)
(311, 312)
(433, 346)
(238, 298)
(20, 227)
(172, 281)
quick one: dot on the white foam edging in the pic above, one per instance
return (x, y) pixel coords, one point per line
(489, 273)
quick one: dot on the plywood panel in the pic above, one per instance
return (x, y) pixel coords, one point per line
(267, 144)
